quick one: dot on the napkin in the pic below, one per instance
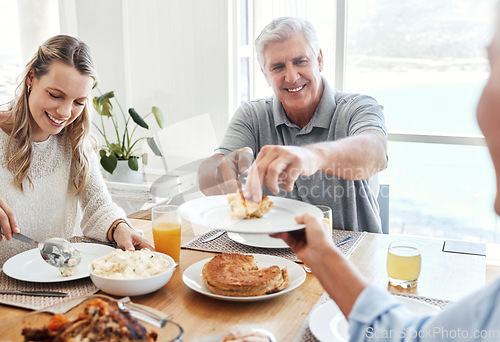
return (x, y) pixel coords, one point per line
(464, 247)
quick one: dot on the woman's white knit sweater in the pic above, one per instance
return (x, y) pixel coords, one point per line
(49, 208)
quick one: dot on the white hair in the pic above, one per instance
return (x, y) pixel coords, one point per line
(281, 29)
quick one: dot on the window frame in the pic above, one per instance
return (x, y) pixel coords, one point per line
(340, 50)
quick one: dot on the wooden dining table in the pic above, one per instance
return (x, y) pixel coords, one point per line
(446, 276)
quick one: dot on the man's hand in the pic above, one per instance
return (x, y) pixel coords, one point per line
(277, 165)
(219, 174)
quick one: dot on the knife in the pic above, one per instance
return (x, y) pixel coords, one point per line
(213, 236)
(35, 293)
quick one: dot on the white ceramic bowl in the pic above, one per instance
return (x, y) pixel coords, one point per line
(133, 287)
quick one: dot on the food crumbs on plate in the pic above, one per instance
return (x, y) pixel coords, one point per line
(68, 271)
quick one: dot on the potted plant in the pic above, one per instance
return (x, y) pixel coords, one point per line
(120, 144)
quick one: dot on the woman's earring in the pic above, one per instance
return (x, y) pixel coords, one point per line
(29, 89)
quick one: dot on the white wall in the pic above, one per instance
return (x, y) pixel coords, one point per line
(172, 54)
(37, 23)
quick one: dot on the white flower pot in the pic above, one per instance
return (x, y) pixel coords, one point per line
(124, 174)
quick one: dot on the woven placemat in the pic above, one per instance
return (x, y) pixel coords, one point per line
(74, 289)
(224, 244)
(305, 334)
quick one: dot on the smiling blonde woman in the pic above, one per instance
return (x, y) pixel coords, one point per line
(48, 168)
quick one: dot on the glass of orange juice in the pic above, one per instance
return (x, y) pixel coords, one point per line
(327, 216)
(404, 261)
(167, 230)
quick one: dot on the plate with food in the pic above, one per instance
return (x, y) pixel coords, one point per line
(228, 212)
(244, 277)
(90, 318)
(327, 323)
(257, 240)
(29, 265)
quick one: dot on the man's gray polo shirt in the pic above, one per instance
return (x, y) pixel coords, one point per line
(338, 115)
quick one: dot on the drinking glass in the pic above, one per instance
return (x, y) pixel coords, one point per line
(404, 260)
(167, 230)
(327, 216)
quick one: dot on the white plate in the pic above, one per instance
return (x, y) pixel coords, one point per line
(327, 323)
(29, 265)
(193, 277)
(257, 240)
(213, 212)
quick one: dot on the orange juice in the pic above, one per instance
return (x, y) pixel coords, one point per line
(327, 221)
(167, 238)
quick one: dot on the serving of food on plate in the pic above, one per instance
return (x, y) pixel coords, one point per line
(280, 276)
(276, 215)
(29, 266)
(89, 318)
(238, 275)
(243, 209)
(98, 322)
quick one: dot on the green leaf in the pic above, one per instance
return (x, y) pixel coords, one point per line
(137, 118)
(102, 104)
(102, 153)
(106, 108)
(133, 163)
(109, 163)
(154, 147)
(145, 158)
(158, 116)
(103, 107)
(96, 105)
(115, 148)
(106, 96)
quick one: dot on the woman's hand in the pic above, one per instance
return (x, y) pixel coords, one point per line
(128, 239)
(8, 221)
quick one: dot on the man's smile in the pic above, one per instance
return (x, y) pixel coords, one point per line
(294, 90)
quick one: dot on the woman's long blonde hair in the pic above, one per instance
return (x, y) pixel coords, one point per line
(70, 51)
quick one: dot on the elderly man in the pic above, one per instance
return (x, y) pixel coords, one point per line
(321, 145)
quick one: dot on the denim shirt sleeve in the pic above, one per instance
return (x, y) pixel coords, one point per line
(378, 316)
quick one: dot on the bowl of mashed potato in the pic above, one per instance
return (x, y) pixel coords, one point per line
(131, 273)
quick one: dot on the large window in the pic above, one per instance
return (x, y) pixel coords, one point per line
(425, 62)
(24, 25)
(10, 52)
